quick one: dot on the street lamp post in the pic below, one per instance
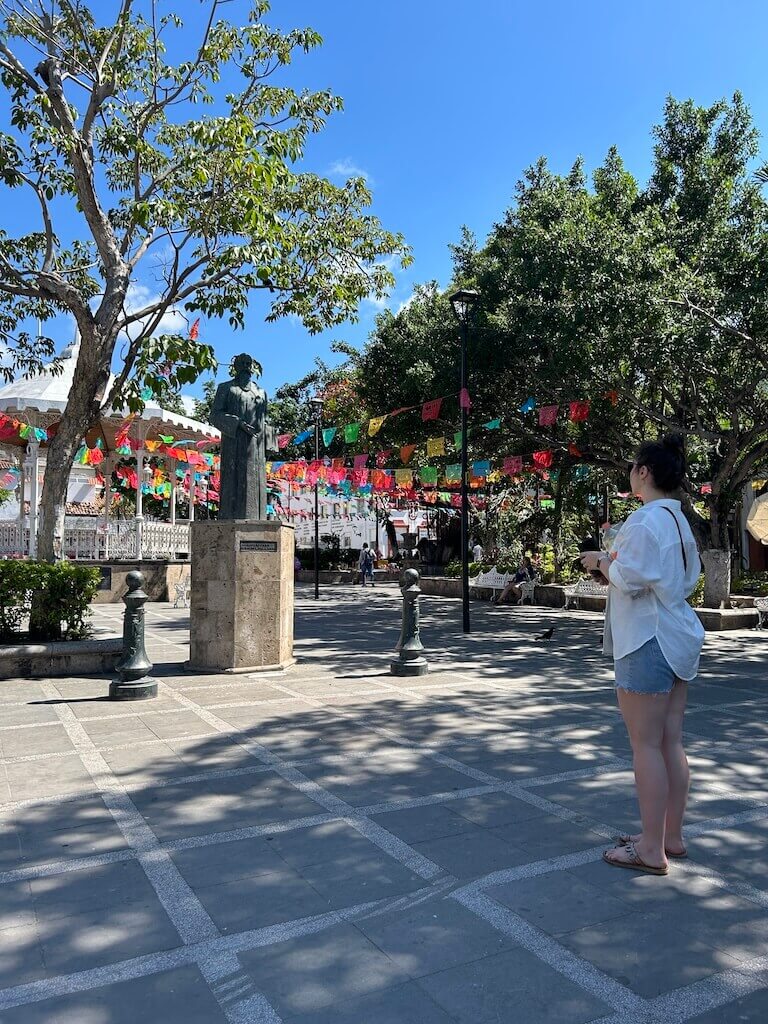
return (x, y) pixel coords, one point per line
(463, 303)
(317, 412)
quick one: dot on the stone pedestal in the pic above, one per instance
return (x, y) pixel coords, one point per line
(241, 608)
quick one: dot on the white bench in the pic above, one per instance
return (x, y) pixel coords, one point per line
(761, 603)
(181, 590)
(585, 587)
(528, 590)
(491, 580)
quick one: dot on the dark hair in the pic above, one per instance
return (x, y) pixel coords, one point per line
(665, 459)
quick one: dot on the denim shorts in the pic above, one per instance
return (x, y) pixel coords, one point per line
(645, 670)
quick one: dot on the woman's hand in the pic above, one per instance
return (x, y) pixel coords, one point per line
(590, 559)
(596, 561)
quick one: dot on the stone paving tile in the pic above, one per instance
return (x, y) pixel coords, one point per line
(750, 1009)
(17, 908)
(207, 695)
(83, 941)
(417, 824)
(320, 844)
(740, 853)
(227, 862)
(48, 739)
(495, 809)
(147, 764)
(547, 835)
(650, 957)
(180, 996)
(485, 992)
(307, 975)
(359, 785)
(405, 1004)
(213, 752)
(91, 889)
(186, 723)
(222, 803)
(21, 689)
(54, 777)
(472, 854)
(557, 902)
(350, 880)
(31, 713)
(432, 936)
(515, 712)
(102, 707)
(21, 956)
(122, 730)
(259, 901)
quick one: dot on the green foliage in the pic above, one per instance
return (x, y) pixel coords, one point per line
(752, 583)
(696, 597)
(453, 569)
(345, 558)
(171, 173)
(55, 598)
(659, 294)
(203, 406)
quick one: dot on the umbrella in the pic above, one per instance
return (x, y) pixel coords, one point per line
(757, 520)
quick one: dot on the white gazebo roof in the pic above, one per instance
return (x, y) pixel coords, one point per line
(45, 394)
(45, 391)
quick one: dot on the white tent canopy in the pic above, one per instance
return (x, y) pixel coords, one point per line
(40, 399)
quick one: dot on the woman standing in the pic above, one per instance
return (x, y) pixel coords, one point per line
(655, 638)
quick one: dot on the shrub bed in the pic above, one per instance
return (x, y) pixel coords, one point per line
(54, 598)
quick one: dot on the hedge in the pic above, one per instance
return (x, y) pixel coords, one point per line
(55, 598)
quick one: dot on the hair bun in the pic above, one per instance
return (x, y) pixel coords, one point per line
(675, 442)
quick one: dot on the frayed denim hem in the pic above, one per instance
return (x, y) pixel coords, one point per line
(645, 693)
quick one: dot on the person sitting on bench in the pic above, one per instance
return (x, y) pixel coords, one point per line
(524, 574)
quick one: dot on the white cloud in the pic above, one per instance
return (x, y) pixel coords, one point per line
(138, 297)
(188, 401)
(347, 169)
(378, 304)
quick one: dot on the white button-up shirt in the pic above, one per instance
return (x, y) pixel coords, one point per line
(649, 586)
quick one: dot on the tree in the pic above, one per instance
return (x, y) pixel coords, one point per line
(105, 128)
(202, 408)
(657, 294)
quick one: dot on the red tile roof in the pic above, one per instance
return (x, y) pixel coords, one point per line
(79, 508)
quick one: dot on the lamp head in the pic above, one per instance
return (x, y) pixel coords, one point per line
(463, 302)
(316, 404)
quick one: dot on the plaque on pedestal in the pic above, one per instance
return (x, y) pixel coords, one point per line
(241, 607)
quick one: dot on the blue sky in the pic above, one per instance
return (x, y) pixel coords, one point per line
(446, 103)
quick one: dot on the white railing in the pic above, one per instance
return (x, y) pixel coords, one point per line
(11, 544)
(164, 540)
(87, 540)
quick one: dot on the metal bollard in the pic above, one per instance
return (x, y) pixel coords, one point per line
(134, 681)
(410, 661)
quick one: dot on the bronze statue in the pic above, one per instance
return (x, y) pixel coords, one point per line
(240, 413)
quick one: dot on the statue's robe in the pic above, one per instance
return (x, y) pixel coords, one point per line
(243, 488)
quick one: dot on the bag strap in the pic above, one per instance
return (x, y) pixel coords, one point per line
(680, 535)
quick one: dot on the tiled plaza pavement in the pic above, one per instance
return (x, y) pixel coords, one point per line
(338, 845)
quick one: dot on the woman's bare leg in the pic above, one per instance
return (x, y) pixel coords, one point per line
(645, 717)
(678, 774)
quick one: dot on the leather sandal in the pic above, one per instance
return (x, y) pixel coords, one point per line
(623, 840)
(634, 861)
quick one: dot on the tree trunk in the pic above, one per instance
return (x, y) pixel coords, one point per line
(558, 541)
(75, 421)
(389, 527)
(717, 577)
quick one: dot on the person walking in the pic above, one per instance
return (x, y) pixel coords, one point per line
(365, 565)
(477, 551)
(655, 638)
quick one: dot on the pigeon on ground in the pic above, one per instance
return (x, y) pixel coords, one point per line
(546, 635)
